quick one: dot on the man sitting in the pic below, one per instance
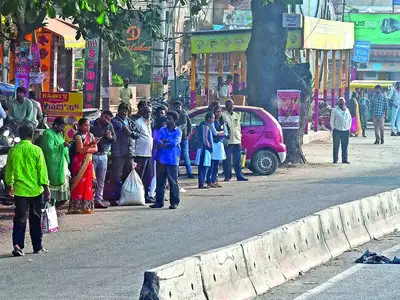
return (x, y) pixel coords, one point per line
(20, 111)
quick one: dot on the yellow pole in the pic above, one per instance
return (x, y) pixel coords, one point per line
(325, 76)
(333, 77)
(316, 92)
(207, 78)
(231, 63)
(244, 70)
(220, 65)
(347, 75)
(340, 79)
(193, 83)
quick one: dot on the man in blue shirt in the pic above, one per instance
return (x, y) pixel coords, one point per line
(168, 155)
(379, 105)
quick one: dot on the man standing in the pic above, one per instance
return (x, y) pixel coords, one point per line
(125, 95)
(21, 110)
(234, 147)
(340, 125)
(26, 174)
(103, 131)
(378, 107)
(144, 148)
(394, 100)
(168, 154)
(123, 150)
(185, 125)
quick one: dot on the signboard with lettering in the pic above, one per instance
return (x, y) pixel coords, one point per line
(22, 66)
(92, 73)
(67, 105)
(138, 40)
(44, 41)
(362, 51)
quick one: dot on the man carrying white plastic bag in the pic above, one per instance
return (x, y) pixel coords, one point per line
(132, 192)
(49, 219)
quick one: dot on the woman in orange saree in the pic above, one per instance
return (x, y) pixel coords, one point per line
(84, 145)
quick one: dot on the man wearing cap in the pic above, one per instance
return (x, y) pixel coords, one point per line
(185, 125)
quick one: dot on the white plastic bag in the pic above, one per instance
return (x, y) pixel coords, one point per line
(49, 219)
(132, 192)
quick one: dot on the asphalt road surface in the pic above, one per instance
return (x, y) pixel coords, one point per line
(104, 255)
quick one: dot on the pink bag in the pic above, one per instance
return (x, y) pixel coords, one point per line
(353, 128)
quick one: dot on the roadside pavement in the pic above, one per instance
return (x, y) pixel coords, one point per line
(104, 255)
(342, 278)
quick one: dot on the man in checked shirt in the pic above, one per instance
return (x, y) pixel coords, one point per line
(379, 105)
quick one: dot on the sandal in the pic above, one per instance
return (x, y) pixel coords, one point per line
(41, 251)
(18, 252)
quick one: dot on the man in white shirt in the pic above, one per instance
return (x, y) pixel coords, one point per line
(144, 148)
(340, 126)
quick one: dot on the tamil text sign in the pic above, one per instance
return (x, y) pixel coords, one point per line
(289, 108)
(327, 35)
(379, 29)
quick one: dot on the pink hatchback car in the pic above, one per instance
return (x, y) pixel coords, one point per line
(262, 137)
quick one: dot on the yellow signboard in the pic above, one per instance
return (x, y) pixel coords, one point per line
(67, 105)
(235, 42)
(220, 43)
(322, 34)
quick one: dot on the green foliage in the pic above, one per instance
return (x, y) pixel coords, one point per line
(79, 63)
(117, 80)
(133, 65)
(108, 19)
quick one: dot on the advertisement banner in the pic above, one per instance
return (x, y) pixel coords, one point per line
(92, 73)
(67, 105)
(44, 41)
(22, 66)
(379, 29)
(289, 108)
(35, 63)
(322, 34)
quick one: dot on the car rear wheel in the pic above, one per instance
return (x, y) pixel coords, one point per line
(264, 162)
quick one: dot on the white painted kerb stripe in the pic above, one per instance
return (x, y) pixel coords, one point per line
(331, 282)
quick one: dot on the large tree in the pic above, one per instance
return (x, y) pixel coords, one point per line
(271, 70)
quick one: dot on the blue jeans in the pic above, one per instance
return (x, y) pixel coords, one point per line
(395, 122)
(164, 173)
(212, 174)
(233, 150)
(100, 168)
(185, 156)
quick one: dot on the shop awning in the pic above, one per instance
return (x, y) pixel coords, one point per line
(68, 32)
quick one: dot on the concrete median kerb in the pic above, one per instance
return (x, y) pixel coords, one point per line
(254, 266)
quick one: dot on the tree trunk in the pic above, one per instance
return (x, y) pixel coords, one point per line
(270, 70)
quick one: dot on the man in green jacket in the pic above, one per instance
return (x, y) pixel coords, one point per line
(26, 174)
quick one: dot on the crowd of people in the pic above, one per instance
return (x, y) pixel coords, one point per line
(350, 119)
(56, 170)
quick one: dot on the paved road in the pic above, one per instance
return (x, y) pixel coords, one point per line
(343, 279)
(103, 256)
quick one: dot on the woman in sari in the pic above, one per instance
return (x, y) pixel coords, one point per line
(364, 111)
(55, 150)
(353, 107)
(203, 156)
(84, 145)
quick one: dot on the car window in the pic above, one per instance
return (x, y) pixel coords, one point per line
(256, 120)
(245, 119)
(197, 119)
